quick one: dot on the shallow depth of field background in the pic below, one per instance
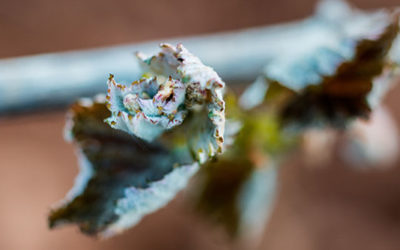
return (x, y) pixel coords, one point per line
(330, 207)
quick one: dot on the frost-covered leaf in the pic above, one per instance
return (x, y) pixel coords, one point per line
(237, 190)
(175, 87)
(122, 177)
(139, 145)
(331, 84)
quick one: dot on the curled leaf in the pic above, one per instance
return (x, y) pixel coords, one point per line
(175, 85)
(330, 84)
(146, 108)
(157, 131)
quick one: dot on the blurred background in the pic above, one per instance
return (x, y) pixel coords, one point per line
(330, 207)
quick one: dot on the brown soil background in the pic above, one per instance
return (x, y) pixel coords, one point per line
(331, 207)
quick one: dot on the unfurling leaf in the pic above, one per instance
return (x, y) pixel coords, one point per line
(175, 84)
(331, 84)
(159, 130)
(145, 108)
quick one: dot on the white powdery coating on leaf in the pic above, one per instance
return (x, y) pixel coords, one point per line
(202, 91)
(309, 68)
(312, 64)
(204, 85)
(139, 202)
(146, 108)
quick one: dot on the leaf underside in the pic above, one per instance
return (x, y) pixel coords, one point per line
(118, 162)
